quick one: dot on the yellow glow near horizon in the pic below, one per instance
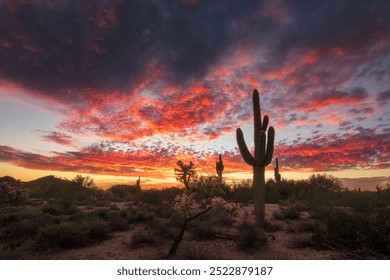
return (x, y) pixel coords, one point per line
(106, 181)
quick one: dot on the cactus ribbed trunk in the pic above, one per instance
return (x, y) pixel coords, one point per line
(263, 151)
(259, 193)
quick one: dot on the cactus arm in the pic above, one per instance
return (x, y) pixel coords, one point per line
(256, 118)
(270, 146)
(265, 123)
(246, 155)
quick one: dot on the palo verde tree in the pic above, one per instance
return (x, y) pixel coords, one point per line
(262, 156)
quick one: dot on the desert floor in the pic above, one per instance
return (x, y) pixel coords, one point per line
(289, 243)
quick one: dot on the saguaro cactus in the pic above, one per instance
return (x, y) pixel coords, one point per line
(138, 186)
(219, 166)
(278, 176)
(261, 158)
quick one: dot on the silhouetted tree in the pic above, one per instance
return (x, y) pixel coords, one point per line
(185, 172)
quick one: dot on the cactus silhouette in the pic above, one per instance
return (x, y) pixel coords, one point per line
(262, 156)
(219, 166)
(138, 186)
(278, 176)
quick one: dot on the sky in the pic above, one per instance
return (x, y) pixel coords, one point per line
(120, 89)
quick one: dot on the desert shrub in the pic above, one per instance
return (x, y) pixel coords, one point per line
(162, 229)
(20, 232)
(271, 227)
(291, 213)
(60, 236)
(197, 253)
(325, 182)
(7, 253)
(134, 216)
(13, 214)
(102, 213)
(304, 226)
(175, 221)
(95, 229)
(165, 211)
(249, 237)
(99, 197)
(356, 234)
(118, 222)
(202, 230)
(141, 238)
(114, 220)
(241, 191)
(123, 192)
(149, 196)
(114, 207)
(59, 207)
(299, 243)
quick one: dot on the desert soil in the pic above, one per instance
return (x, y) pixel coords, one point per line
(282, 247)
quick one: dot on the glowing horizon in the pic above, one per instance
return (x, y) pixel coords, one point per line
(117, 90)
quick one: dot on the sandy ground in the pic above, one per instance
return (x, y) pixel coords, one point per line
(282, 247)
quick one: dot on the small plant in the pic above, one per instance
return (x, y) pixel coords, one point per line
(271, 227)
(249, 238)
(141, 238)
(60, 236)
(197, 253)
(299, 243)
(59, 207)
(202, 230)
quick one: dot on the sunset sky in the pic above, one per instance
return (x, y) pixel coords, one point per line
(120, 89)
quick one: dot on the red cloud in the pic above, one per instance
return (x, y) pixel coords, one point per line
(365, 150)
(59, 138)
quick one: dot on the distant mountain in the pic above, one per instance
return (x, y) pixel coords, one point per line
(53, 187)
(10, 180)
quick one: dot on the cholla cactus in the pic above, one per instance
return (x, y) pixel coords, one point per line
(220, 205)
(205, 189)
(185, 205)
(13, 195)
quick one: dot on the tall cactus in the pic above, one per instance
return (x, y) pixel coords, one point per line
(278, 176)
(219, 166)
(261, 158)
(138, 186)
